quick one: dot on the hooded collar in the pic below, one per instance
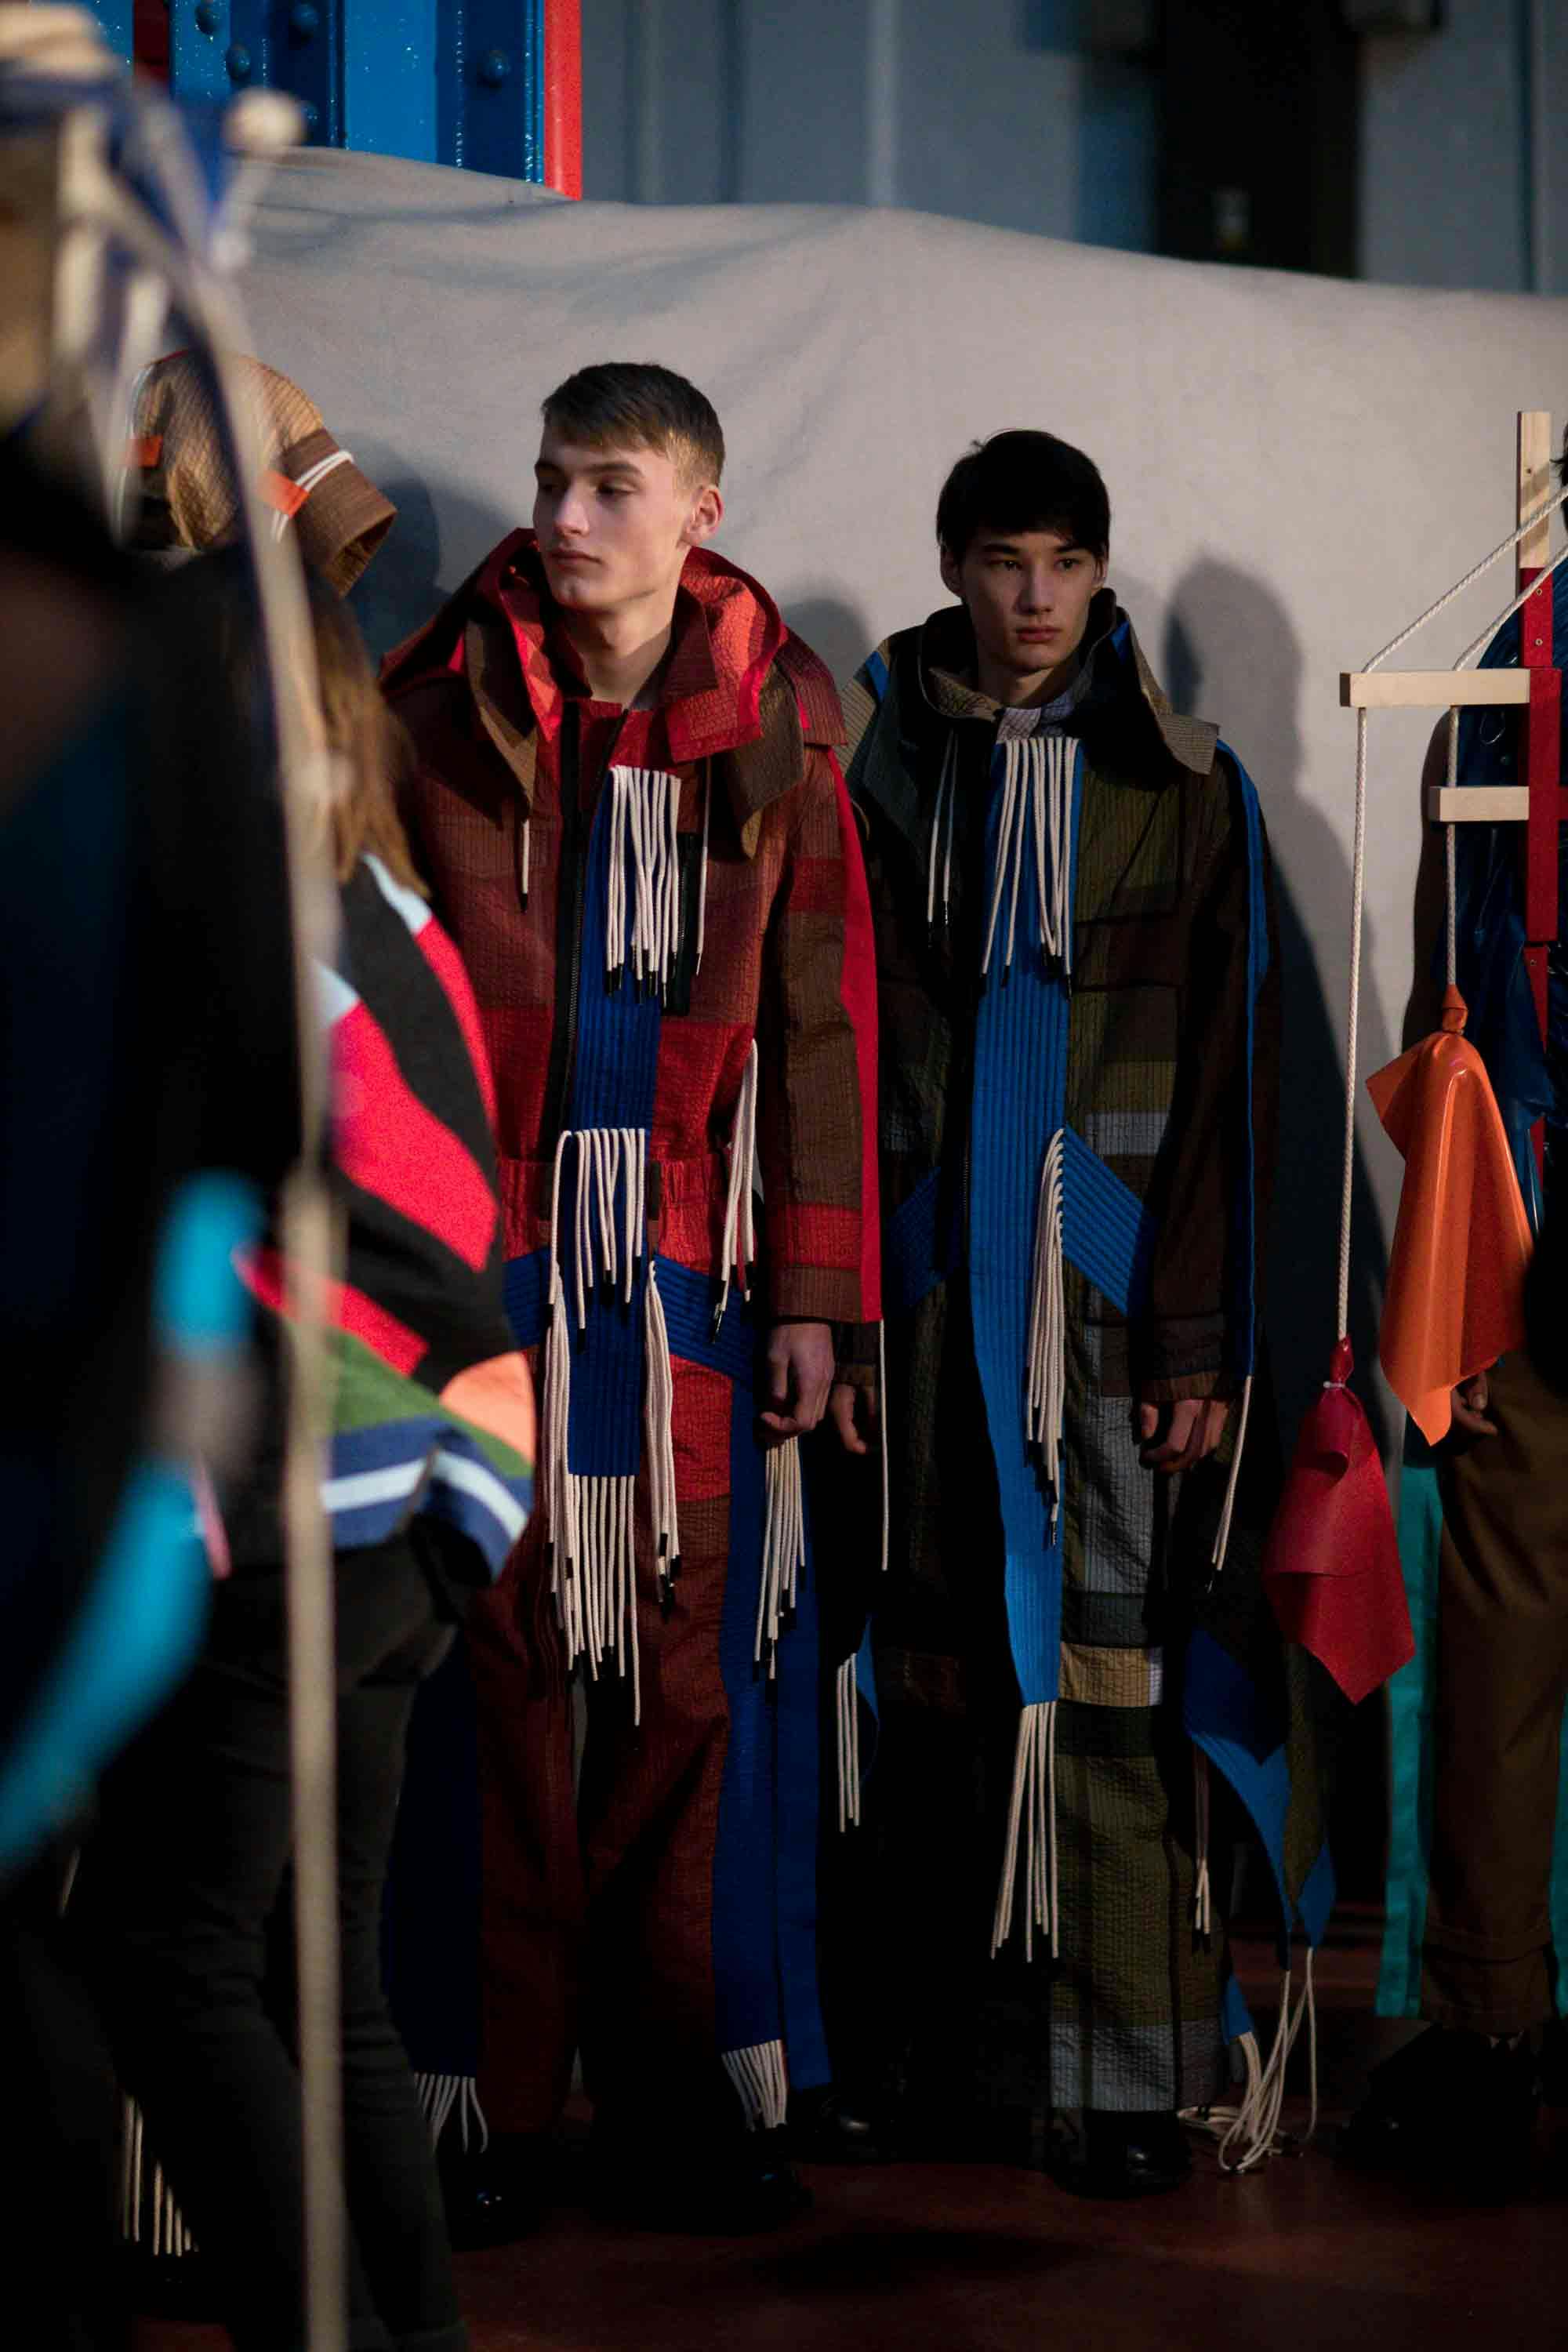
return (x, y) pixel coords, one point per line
(1110, 669)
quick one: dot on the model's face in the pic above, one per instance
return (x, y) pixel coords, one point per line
(615, 526)
(1028, 594)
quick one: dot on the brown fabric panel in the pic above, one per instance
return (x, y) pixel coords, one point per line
(1502, 1677)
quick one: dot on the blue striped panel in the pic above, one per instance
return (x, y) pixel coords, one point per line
(1106, 1232)
(914, 1259)
(1020, 1084)
(874, 670)
(689, 1299)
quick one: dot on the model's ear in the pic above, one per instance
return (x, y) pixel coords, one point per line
(951, 577)
(706, 514)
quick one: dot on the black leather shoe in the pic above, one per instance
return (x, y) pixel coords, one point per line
(731, 2186)
(1450, 2111)
(495, 2196)
(1143, 2153)
(831, 2127)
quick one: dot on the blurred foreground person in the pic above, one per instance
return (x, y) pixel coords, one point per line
(1079, 1018)
(425, 1488)
(629, 810)
(149, 1100)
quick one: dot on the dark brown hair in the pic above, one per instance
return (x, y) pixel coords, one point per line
(1023, 481)
(637, 406)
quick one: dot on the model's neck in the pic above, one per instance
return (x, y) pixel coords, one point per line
(620, 651)
(1016, 693)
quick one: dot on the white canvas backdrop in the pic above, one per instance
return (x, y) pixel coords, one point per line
(1296, 467)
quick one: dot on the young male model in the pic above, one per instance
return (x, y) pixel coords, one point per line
(1077, 1015)
(632, 819)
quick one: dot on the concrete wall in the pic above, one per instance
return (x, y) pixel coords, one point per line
(991, 110)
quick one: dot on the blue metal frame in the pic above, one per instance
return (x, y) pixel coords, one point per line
(443, 81)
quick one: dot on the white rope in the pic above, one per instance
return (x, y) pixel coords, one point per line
(1037, 794)
(1542, 508)
(946, 787)
(1251, 2132)
(847, 1703)
(737, 1250)
(659, 1427)
(1479, 644)
(1047, 1362)
(442, 2097)
(644, 808)
(1031, 1832)
(1202, 1903)
(783, 1549)
(148, 2208)
(1222, 1533)
(760, 2080)
(1353, 1022)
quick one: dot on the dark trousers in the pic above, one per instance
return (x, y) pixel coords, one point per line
(177, 1893)
(1503, 1677)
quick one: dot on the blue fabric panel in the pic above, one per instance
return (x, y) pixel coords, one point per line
(1316, 1901)
(799, 1773)
(527, 1289)
(689, 1299)
(875, 673)
(431, 1943)
(1235, 2016)
(1106, 1232)
(1223, 1714)
(134, 1636)
(200, 1303)
(1020, 1076)
(915, 1256)
(746, 2004)
(1410, 1695)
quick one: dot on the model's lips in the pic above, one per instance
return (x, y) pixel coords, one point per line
(569, 555)
(1037, 636)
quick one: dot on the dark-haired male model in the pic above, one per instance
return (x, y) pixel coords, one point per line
(1079, 1052)
(631, 817)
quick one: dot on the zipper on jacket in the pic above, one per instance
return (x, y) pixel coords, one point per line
(578, 811)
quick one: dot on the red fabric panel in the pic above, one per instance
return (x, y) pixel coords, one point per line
(703, 1401)
(443, 960)
(262, 1272)
(820, 1237)
(859, 995)
(387, 1143)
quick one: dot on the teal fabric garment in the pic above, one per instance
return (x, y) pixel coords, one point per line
(1410, 1699)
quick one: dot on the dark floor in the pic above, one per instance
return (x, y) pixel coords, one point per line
(989, 2259)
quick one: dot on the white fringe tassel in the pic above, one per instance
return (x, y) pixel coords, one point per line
(761, 2083)
(644, 804)
(659, 1434)
(946, 791)
(848, 1712)
(593, 1521)
(1202, 1903)
(1250, 2133)
(1047, 1326)
(442, 2097)
(1036, 793)
(1222, 1535)
(784, 1548)
(149, 2215)
(738, 1252)
(1031, 1832)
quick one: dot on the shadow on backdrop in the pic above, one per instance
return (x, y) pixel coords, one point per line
(1217, 605)
(837, 632)
(426, 555)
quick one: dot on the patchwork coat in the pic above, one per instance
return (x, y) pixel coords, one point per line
(663, 914)
(1078, 1065)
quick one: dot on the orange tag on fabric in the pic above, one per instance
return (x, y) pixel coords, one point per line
(144, 451)
(280, 493)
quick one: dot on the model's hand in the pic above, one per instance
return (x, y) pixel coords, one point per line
(799, 1375)
(853, 1411)
(1471, 1401)
(1175, 1436)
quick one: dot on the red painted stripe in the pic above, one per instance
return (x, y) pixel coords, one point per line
(263, 1272)
(564, 95)
(858, 992)
(441, 953)
(389, 1144)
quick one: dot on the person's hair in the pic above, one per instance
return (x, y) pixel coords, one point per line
(632, 404)
(368, 739)
(372, 752)
(1023, 481)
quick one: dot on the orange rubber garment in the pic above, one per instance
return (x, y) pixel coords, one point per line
(1453, 1302)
